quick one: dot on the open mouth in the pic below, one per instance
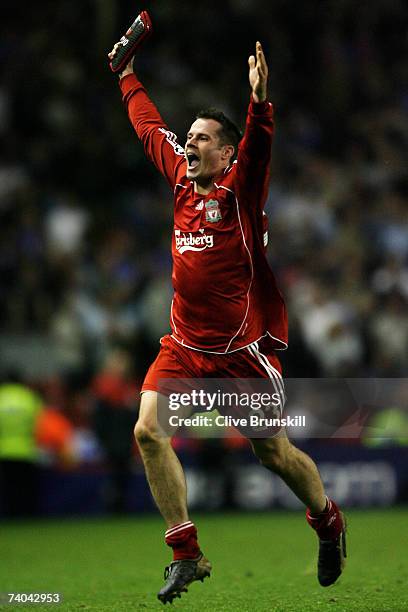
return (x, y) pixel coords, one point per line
(192, 160)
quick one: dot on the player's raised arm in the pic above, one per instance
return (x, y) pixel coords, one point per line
(254, 152)
(258, 74)
(159, 143)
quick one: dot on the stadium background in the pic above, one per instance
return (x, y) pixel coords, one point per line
(86, 224)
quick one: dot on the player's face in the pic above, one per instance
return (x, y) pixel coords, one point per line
(206, 156)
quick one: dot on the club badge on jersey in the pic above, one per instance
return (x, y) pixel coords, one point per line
(212, 211)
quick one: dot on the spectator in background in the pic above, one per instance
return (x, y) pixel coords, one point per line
(65, 227)
(31, 433)
(55, 436)
(330, 330)
(20, 409)
(115, 394)
(389, 335)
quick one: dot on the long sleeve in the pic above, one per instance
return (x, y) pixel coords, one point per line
(160, 144)
(254, 154)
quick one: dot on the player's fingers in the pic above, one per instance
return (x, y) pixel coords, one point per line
(262, 63)
(251, 62)
(113, 52)
(260, 53)
(263, 72)
(260, 56)
(260, 75)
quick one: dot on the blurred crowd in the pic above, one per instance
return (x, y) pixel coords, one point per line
(85, 260)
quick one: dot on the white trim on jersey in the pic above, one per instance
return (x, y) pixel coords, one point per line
(200, 350)
(250, 261)
(179, 185)
(171, 316)
(285, 344)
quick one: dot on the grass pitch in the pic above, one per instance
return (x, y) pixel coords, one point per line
(262, 562)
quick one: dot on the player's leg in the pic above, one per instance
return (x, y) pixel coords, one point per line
(168, 486)
(296, 468)
(163, 469)
(301, 475)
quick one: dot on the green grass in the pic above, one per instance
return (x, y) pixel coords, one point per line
(262, 562)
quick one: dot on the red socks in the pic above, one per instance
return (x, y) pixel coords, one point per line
(183, 540)
(329, 523)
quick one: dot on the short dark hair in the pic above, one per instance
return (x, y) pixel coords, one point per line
(229, 133)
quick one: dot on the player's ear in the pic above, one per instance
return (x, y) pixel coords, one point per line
(228, 151)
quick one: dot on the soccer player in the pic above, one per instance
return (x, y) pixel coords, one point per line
(227, 315)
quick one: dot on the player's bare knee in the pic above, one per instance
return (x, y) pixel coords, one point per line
(146, 433)
(146, 429)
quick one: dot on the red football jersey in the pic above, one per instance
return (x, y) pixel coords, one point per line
(225, 295)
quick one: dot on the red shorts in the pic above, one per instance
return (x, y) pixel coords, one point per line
(176, 361)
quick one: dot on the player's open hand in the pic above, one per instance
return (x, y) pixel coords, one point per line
(258, 74)
(129, 67)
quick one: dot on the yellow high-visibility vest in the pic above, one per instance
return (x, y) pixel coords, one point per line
(19, 410)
